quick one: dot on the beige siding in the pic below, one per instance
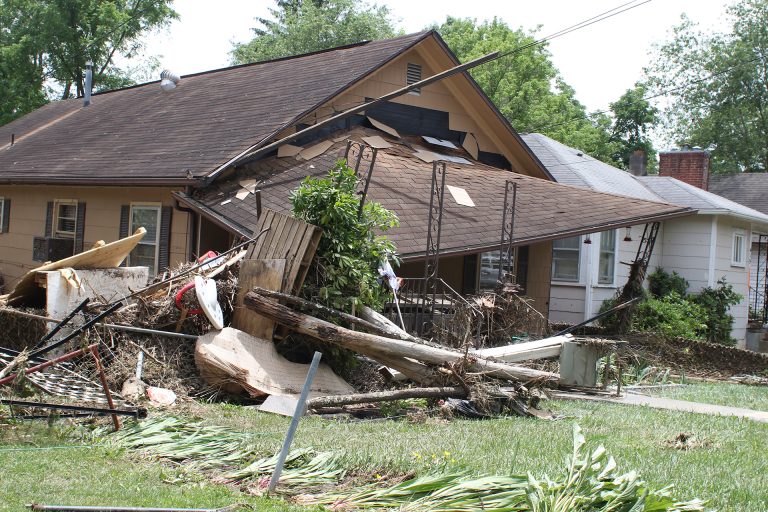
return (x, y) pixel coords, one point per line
(539, 272)
(102, 220)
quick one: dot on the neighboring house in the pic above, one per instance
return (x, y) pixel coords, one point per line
(701, 248)
(184, 163)
(750, 189)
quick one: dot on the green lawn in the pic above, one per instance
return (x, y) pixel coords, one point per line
(735, 395)
(732, 472)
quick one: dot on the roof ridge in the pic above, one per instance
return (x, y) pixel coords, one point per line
(270, 61)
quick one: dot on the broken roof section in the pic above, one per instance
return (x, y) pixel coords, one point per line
(401, 182)
(144, 135)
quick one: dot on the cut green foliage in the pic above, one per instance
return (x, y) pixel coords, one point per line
(344, 273)
(591, 483)
(198, 446)
(304, 467)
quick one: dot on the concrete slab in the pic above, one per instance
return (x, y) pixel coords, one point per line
(669, 404)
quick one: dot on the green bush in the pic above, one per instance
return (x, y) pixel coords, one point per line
(661, 283)
(716, 302)
(672, 316)
(344, 272)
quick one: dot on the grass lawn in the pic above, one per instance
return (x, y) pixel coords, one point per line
(735, 395)
(732, 472)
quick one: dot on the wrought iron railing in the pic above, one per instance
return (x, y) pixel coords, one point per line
(422, 302)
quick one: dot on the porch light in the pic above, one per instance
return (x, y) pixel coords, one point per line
(628, 234)
(587, 239)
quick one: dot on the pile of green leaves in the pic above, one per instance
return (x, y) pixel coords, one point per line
(591, 483)
(304, 467)
(672, 315)
(344, 273)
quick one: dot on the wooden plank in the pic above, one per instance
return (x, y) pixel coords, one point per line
(110, 255)
(266, 274)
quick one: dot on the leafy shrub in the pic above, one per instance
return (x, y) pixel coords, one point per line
(344, 272)
(715, 302)
(661, 283)
(672, 316)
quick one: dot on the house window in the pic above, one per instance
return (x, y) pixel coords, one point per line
(565, 259)
(489, 270)
(2, 215)
(738, 255)
(65, 218)
(607, 257)
(413, 75)
(146, 252)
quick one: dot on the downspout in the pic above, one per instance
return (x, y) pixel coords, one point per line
(588, 291)
(192, 226)
(712, 253)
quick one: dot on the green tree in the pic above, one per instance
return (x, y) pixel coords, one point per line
(633, 118)
(49, 42)
(720, 88)
(526, 86)
(303, 26)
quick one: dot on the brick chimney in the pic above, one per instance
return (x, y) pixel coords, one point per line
(687, 164)
(638, 163)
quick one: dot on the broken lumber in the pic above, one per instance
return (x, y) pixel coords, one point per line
(539, 349)
(373, 345)
(386, 396)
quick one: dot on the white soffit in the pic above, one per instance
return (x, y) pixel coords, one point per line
(381, 126)
(439, 142)
(461, 196)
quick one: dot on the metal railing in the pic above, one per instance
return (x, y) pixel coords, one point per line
(424, 302)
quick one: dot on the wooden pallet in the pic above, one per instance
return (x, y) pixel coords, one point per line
(288, 239)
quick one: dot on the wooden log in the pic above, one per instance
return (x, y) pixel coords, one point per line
(372, 344)
(406, 368)
(292, 299)
(386, 396)
(387, 327)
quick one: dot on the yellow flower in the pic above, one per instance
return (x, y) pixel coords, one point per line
(446, 454)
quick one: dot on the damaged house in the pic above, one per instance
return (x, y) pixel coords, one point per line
(702, 248)
(186, 163)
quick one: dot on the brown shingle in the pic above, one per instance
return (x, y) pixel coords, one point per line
(545, 210)
(143, 134)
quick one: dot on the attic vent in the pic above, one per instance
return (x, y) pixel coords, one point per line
(413, 75)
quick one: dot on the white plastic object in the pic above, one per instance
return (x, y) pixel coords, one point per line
(205, 289)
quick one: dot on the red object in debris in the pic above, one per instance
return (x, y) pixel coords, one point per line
(207, 256)
(179, 296)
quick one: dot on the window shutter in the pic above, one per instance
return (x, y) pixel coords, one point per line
(6, 214)
(80, 228)
(49, 219)
(164, 251)
(125, 212)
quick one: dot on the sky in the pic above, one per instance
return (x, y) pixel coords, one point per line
(600, 61)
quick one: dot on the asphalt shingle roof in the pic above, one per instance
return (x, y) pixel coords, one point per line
(749, 189)
(142, 134)
(402, 183)
(678, 192)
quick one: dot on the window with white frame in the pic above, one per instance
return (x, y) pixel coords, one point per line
(64, 218)
(738, 254)
(565, 259)
(146, 252)
(607, 263)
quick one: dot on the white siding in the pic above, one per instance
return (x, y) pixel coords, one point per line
(686, 243)
(736, 276)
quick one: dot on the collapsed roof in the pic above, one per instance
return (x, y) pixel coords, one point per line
(401, 182)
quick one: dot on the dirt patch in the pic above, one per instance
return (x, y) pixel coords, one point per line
(687, 441)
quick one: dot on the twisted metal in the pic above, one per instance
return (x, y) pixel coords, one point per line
(360, 155)
(506, 250)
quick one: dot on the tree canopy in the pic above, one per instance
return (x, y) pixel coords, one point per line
(719, 88)
(303, 26)
(633, 118)
(45, 44)
(526, 85)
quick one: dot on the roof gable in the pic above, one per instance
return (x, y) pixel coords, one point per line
(143, 135)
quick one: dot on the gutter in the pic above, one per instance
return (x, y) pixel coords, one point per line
(122, 182)
(730, 213)
(201, 209)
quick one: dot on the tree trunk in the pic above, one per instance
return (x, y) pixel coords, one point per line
(373, 345)
(385, 396)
